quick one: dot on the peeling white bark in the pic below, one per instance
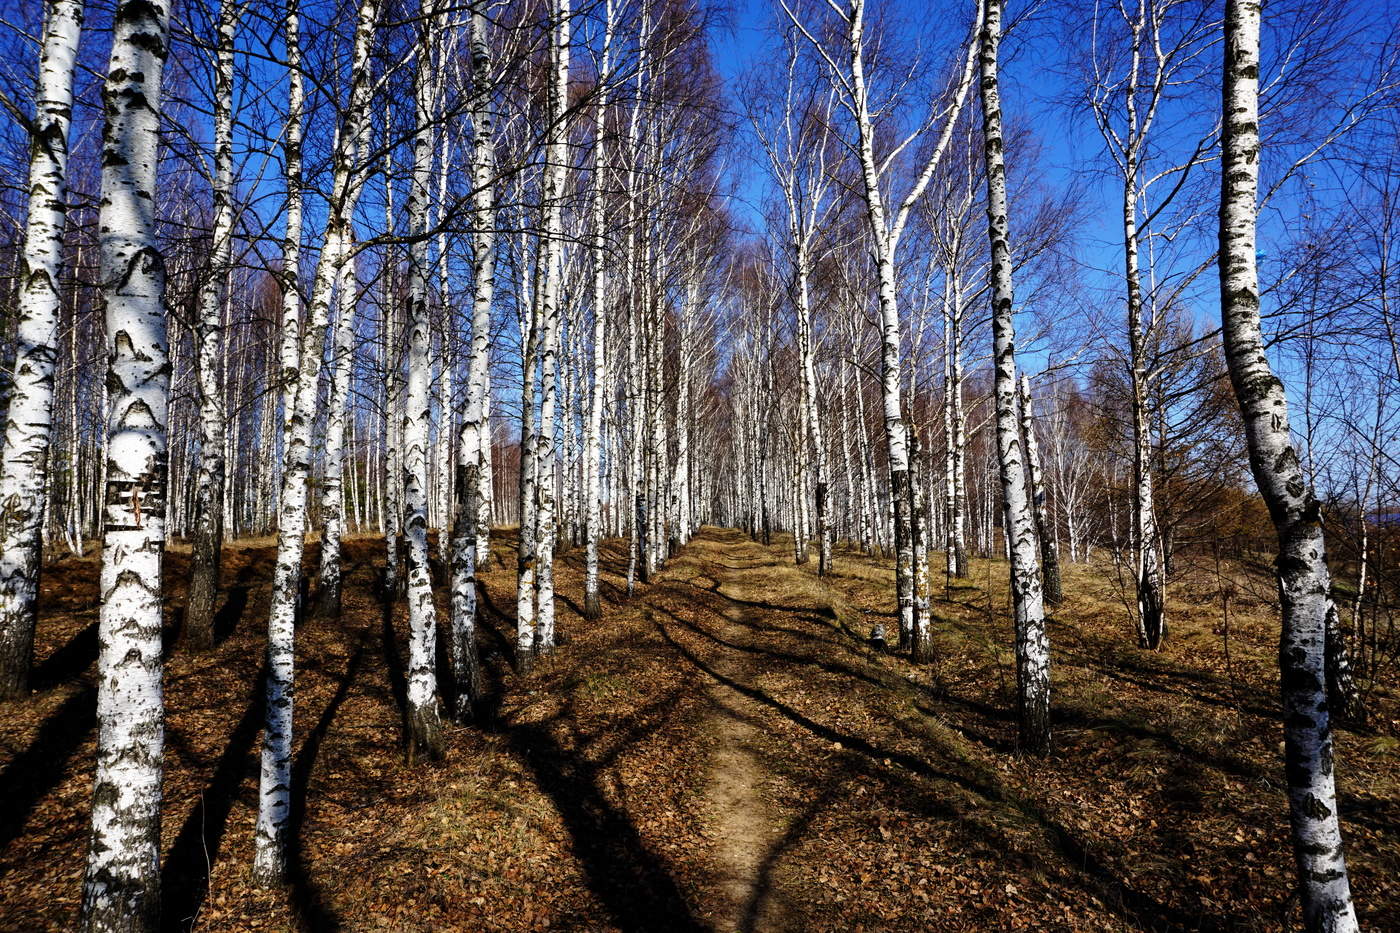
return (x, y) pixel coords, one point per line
(1032, 643)
(121, 889)
(1304, 582)
(24, 461)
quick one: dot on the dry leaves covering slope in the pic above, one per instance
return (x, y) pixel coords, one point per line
(600, 792)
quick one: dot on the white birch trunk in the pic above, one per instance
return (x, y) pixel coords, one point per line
(332, 484)
(592, 442)
(210, 481)
(121, 888)
(424, 725)
(1032, 643)
(290, 346)
(1044, 527)
(24, 462)
(471, 526)
(1304, 582)
(274, 790)
(551, 248)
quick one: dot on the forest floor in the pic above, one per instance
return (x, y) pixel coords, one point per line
(723, 752)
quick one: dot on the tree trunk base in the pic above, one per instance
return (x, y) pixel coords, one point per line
(424, 734)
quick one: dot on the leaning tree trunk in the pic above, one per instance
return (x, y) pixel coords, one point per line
(896, 432)
(1044, 525)
(24, 462)
(1304, 582)
(209, 485)
(121, 889)
(274, 789)
(1032, 644)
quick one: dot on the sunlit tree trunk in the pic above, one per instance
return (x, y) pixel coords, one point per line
(1304, 582)
(471, 527)
(209, 484)
(289, 353)
(121, 889)
(274, 789)
(1044, 523)
(1032, 643)
(550, 295)
(24, 462)
(592, 446)
(424, 724)
(332, 483)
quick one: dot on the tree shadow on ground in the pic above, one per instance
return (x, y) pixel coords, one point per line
(625, 875)
(185, 869)
(68, 662)
(307, 898)
(39, 768)
(1131, 903)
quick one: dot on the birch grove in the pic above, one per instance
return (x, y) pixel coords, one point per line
(457, 341)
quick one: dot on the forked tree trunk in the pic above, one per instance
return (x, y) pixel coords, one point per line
(332, 483)
(1032, 644)
(24, 462)
(1304, 582)
(121, 889)
(550, 295)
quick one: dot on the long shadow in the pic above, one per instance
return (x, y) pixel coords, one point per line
(829, 667)
(235, 605)
(38, 769)
(185, 871)
(621, 871)
(763, 884)
(394, 665)
(69, 661)
(1117, 894)
(307, 898)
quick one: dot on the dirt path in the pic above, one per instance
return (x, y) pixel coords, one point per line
(746, 824)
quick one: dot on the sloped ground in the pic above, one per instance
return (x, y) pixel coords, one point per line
(722, 752)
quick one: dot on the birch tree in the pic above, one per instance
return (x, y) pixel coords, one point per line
(121, 886)
(274, 789)
(593, 447)
(1032, 644)
(886, 227)
(1040, 508)
(24, 460)
(209, 485)
(1304, 581)
(328, 584)
(424, 726)
(471, 526)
